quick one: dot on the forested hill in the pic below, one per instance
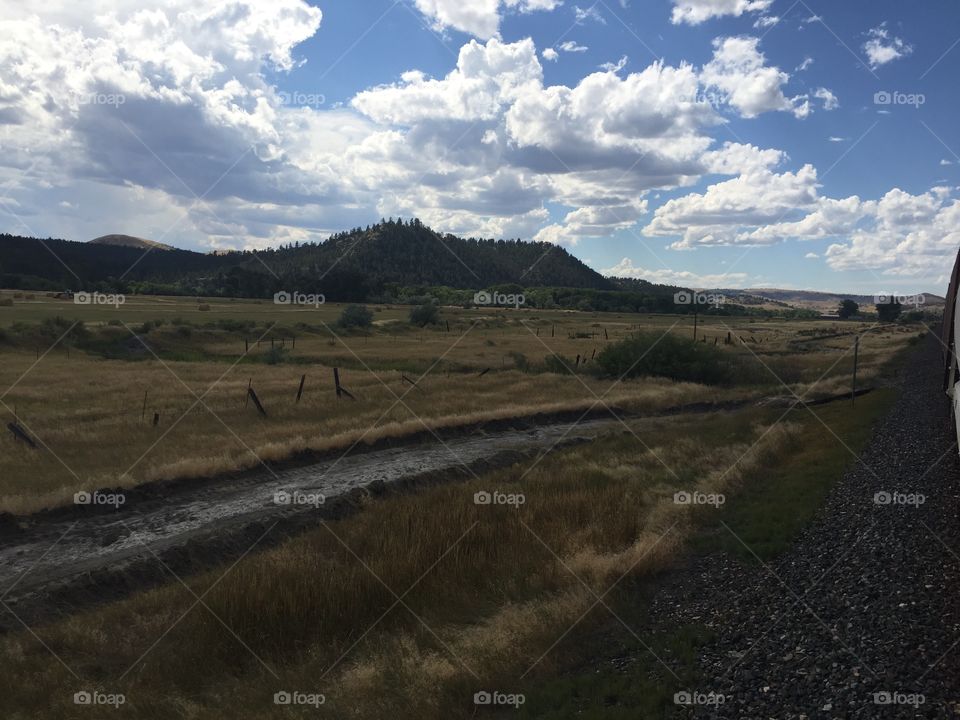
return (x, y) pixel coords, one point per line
(351, 265)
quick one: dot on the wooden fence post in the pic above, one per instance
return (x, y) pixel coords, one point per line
(303, 379)
(256, 401)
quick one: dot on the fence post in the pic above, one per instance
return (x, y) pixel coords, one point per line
(303, 379)
(256, 401)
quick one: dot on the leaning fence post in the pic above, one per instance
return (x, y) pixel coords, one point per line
(336, 382)
(20, 434)
(143, 412)
(256, 401)
(303, 379)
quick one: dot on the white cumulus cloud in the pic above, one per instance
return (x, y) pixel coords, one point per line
(881, 47)
(694, 12)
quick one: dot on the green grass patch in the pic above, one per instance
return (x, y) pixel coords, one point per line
(773, 507)
(638, 686)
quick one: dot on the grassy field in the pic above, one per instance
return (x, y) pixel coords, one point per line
(491, 598)
(410, 607)
(78, 388)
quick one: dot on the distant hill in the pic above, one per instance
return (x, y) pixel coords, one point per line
(129, 241)
(813, 299)
(354, 265)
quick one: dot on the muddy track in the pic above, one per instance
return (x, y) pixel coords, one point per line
(57, 562)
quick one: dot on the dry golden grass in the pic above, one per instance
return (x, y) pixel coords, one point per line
(87, 415)
(89, 412)
(496, 586)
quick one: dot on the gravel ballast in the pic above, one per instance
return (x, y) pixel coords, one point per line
(859, 618)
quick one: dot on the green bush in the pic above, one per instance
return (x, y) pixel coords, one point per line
(666, 356)
(275, 356)
(426, 314)
(6, 302)
(355, 316)
(520, 361)
(558, 364)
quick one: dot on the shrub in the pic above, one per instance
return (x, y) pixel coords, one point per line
(426, 314)
(355, 316)
(6, 302)
(203, 307)
(665, 356)
(275, 356)
(184, 331)
(558, 364)
(520, 361)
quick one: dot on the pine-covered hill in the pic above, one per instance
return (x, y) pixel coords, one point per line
(400, 253)
(353, 265)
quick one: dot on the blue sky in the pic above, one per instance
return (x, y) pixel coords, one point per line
(739, 143)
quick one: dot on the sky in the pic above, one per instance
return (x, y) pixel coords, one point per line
(705, 143)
